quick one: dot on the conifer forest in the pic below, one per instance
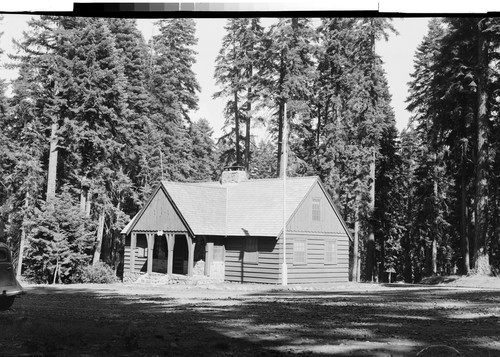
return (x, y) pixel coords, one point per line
(97, 117)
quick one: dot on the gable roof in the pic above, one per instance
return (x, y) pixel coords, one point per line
(248, 208)
(202, 205)
(255, 207)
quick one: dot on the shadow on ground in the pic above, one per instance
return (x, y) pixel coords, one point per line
(202, 322)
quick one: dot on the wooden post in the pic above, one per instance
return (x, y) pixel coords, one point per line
(191, 244)
(170, 247)
(209, 257)
(151, 241)
(133, 243)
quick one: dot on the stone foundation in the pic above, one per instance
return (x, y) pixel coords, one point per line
(129, 277)
(216, 276)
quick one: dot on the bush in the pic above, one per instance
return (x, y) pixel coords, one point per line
(60, 242)
(100, 273)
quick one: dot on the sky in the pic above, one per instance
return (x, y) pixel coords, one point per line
(397, 54)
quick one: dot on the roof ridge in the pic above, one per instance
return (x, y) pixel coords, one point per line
(213, 184)
(207, 184)
(280, 178)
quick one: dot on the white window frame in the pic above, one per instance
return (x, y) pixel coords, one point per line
(300, 251)
(316, 209)
(330, 252)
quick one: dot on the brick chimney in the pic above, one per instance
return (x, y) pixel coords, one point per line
(233, 174)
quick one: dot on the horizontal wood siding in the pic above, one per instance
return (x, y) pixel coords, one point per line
(140, 262)
(302, 220)
(237, 270)
(316, 269)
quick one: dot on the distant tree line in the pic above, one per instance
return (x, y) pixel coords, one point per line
(419, 203)
(97, 117)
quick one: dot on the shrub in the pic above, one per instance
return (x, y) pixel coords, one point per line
(101, 273)
(61, 241)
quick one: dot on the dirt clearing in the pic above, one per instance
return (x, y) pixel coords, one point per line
(251, 320)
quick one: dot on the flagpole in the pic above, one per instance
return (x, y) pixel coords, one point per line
(284, 140)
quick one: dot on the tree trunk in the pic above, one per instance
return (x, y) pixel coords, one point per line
(56, 271)
(434, 256)
(464, 238)
(370, 244)
(280, 139)
(21, 252)
(100, 233)
(318, 129)
(23, 240)
(53, 153)
(355, 257)
(83, 200)
(481, 257)
(237, 128)
(247, 131)
(436, 214)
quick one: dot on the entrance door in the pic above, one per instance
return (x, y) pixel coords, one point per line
(160, 255)
(180, 255)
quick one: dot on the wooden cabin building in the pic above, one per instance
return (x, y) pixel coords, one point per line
(232, 230)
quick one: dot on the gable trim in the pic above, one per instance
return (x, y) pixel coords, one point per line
(299, 205)
(139, 215)
(344, 224)
(190, 231)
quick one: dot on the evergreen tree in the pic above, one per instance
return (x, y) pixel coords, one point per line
(173, 87)
(351, 108)
(204, 152)
(262, 165)
(236, 69)
(454, 61)
(287, 74)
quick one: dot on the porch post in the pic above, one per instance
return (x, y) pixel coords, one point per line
(191, 243)
(133, 243)
(151, 241)
(170, 247)
(209, 257)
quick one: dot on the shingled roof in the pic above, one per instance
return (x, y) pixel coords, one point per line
(247, 208)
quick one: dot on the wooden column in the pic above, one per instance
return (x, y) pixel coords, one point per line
(151, 241)
(191, 244)
(209, 257)
(170, 247)
(133, 243)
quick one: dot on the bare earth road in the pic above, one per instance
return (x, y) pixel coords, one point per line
(251, 320)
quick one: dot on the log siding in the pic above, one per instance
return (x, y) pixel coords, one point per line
(237, 269)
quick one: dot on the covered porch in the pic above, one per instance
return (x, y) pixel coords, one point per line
(160, 252)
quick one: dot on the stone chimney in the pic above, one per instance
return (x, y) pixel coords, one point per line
(233, 174)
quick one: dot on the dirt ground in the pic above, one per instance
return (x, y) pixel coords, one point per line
(252, 320)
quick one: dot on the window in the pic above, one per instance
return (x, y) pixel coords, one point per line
(330, 252)
(251, 250)
(299, 251)
(316, 209)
